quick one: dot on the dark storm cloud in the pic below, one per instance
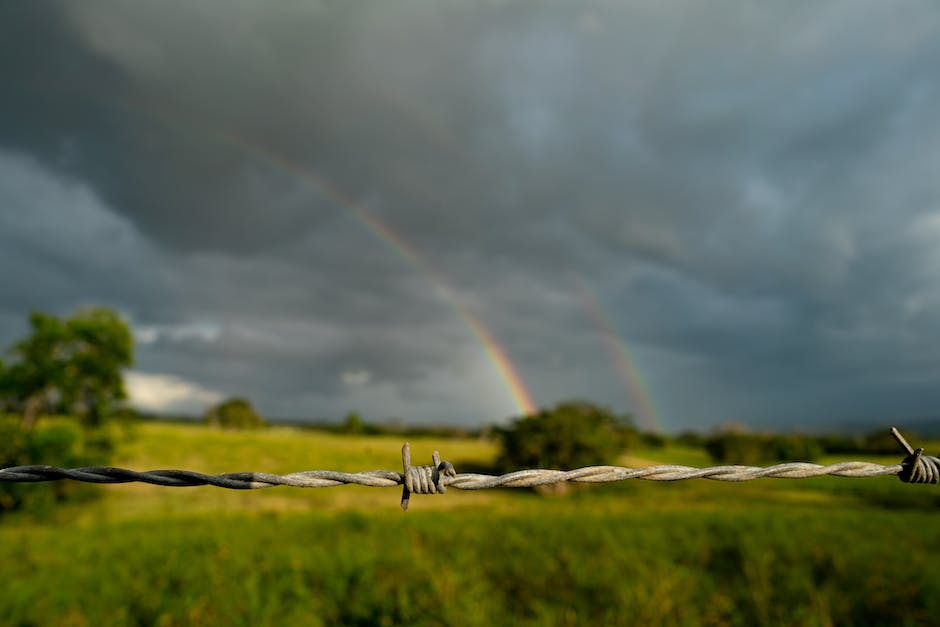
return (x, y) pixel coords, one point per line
(751, 191)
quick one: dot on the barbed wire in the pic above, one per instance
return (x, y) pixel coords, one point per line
(436, 478)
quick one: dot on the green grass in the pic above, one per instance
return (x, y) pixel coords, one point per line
(827, 551)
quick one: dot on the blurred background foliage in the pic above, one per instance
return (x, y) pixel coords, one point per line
(68, 365)
(58, 442)
(66, 372)
(569, 435)
(234, 413)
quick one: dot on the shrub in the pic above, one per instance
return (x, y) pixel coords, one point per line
(793, 448)
(735, 448)
(690, 439)
(57, 444)
(838, 444)
(654, 440)
(235, 413)
(750, 449)
(571, 435)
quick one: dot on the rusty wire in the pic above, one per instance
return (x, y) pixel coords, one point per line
(436, 478)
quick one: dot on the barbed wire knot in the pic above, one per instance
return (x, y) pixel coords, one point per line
(423, 479)
(916, 467)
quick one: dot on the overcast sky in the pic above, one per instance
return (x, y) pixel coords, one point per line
(693, 212)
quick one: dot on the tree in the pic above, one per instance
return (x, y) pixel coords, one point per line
(72, 364)
(234, 413)
(352, 424)
(101, 344)
(29, 384)
(570, 435)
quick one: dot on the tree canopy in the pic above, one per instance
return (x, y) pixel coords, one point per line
(234, 413)
(72, 365)
(570, 435)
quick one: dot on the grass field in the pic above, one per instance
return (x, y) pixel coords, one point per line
(825, 551)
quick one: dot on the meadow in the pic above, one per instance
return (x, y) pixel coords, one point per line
(826, 551)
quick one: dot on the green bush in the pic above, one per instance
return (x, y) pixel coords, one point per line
(752, 449)
(651, 439)
(690, 439)
(235, 413)
(57, 444)
(840, 444)
(793, 448)
(735, 448)
(571, 435)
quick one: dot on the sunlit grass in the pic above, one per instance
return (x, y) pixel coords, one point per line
(284, 449)
(817, 551)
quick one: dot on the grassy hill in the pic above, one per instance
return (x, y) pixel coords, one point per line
(813, 552)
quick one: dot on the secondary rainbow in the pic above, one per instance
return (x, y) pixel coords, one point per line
(621, 356)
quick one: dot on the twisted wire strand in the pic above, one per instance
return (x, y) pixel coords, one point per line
(187, 478)
(420, 481)
(606, 474)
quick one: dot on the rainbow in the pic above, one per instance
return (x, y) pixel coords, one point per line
(621, 357)
(496, 353)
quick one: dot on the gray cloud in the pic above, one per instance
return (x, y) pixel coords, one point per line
(751, 192)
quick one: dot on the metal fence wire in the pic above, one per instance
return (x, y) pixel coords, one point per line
(440, 475)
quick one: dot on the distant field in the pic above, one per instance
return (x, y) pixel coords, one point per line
(812, 552)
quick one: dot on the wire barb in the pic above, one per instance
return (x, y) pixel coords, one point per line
(916, 467)
(423, 479)
(436, 478)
